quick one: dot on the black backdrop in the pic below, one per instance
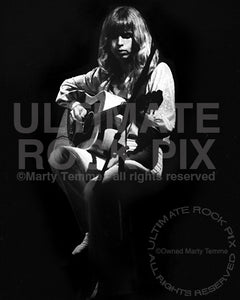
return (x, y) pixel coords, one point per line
(45, 42)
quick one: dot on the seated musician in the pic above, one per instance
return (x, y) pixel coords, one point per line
(124, 47)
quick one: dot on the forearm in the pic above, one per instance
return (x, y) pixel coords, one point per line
(69, 94)
(74, 89)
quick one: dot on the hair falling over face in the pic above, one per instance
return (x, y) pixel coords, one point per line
(126, 21)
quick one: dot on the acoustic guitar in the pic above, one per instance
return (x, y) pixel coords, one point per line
(101, 123)
(104, 117)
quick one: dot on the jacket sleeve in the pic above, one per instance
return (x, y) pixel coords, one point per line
(74, 89)
(164, 116)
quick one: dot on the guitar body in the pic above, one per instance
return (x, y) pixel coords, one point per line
(95, 133)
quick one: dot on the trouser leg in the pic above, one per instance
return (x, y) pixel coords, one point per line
(74, 168)
(111, 238)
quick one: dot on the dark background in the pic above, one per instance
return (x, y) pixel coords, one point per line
(45, 42)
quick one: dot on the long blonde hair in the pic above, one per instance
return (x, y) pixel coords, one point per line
(121, 19)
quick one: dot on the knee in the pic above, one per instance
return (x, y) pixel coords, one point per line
(60, 159)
